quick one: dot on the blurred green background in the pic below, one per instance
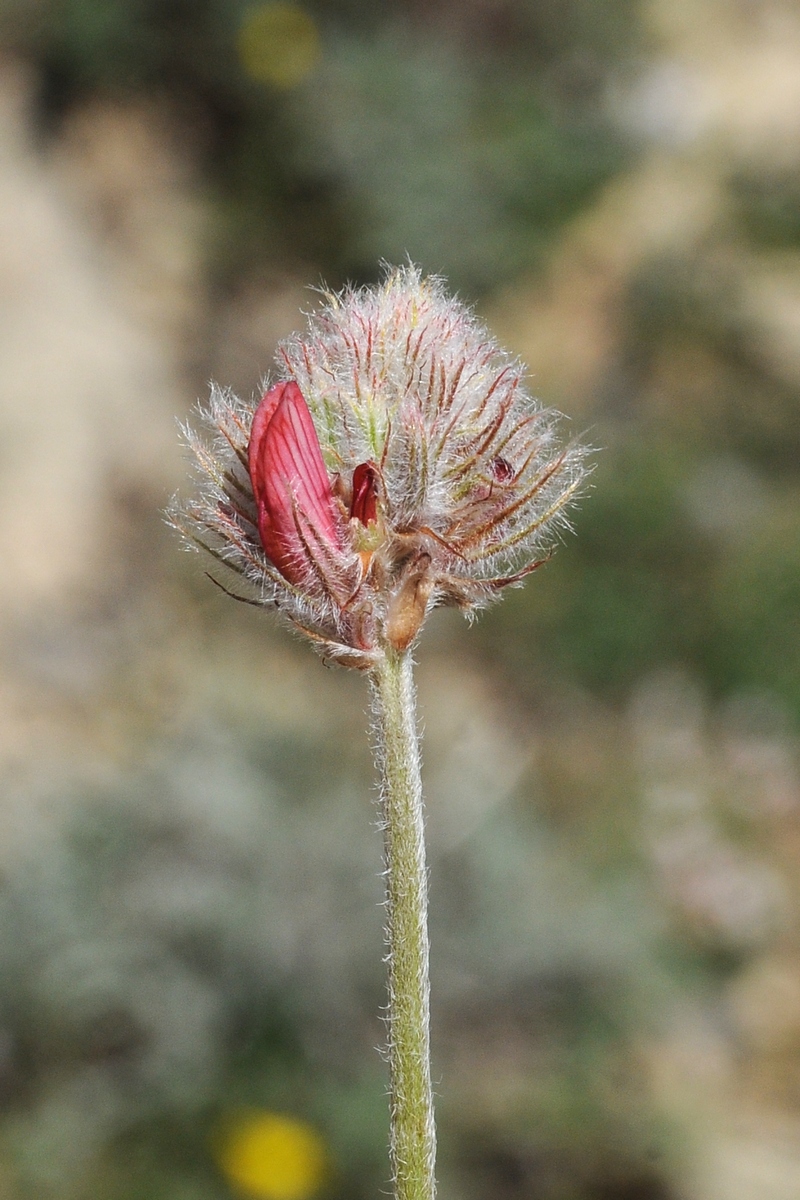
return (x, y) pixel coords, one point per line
(190, 923)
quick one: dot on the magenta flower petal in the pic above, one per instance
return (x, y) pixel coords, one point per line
(296, 509)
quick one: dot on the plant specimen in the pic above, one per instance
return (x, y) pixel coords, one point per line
(396, 465)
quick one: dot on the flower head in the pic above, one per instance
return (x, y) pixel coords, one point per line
(398, 464)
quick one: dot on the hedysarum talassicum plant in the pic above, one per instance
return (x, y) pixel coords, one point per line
(396, 465)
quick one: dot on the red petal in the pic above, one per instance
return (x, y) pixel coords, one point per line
(290, 481)
(364, 504)
(263, 415)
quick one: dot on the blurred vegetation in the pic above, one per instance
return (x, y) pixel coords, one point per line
(463, 139)
(194, 943)
(726, 607)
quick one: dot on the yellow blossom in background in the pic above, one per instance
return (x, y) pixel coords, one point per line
(278, 44)
(273, 1157)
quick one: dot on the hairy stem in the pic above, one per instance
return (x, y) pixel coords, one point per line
(413, 1136)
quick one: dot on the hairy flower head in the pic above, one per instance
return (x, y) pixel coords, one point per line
(398, 464)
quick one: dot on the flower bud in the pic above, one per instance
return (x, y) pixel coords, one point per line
(398, 465)
(364, 504)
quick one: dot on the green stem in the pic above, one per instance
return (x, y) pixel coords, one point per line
(413, 1136)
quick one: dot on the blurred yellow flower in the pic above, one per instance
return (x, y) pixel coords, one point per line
(273, 1157)
(278, 44)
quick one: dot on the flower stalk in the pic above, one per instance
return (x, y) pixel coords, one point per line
(412, 1144)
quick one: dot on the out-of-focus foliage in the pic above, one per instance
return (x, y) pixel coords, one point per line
(188, 950)
(723, 600)
(460, 140)
(768, 206)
